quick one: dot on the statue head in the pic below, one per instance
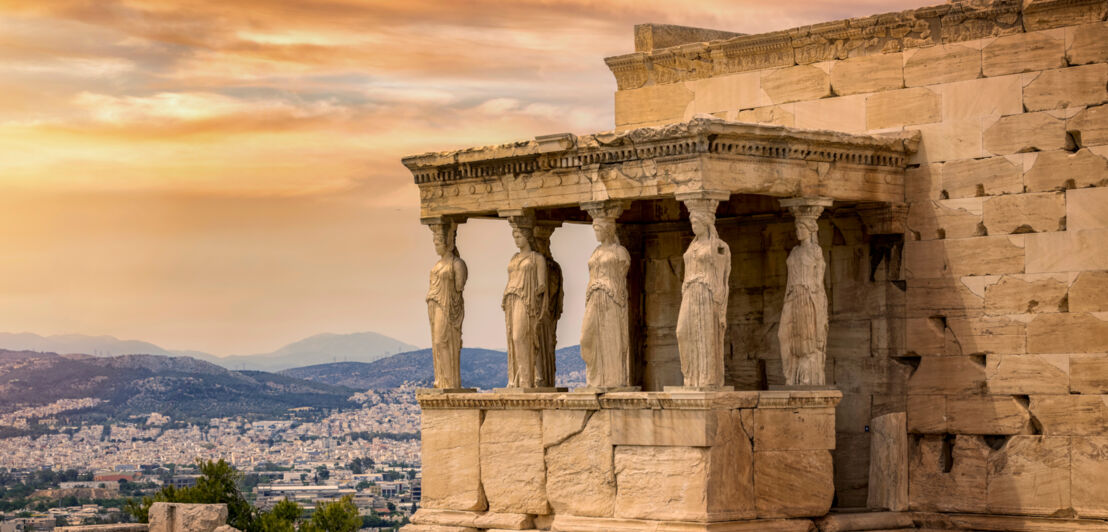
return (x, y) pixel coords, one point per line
(605, 229)
(444, 235)
(806, 229)
(542, 234)
(702, 217)
(524, 237)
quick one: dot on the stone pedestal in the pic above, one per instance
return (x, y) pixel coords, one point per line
(684, 460)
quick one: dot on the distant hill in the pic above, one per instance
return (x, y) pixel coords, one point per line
(481, 368)
(355, 347)
(133, 385)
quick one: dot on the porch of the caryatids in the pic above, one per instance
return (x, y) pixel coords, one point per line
(702, 318)
(802, 332)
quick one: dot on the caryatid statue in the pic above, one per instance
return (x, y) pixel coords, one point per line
(524, 304)
(802, 332)
(605, 340)
(445, 306)
(545, 363)
(702, 319)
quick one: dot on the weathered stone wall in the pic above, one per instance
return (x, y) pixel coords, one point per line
(991, 331)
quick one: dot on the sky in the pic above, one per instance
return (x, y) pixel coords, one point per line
(224, 175)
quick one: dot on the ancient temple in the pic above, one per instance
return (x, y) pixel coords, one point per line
(850, 276)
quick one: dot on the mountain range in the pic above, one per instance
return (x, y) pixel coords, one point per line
(184, 388)
(355, 347)
(481, 368)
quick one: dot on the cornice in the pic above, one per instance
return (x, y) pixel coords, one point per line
(729, 400)
(699, 136)
(952, 22)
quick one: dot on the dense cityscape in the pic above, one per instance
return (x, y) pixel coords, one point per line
(83, 474)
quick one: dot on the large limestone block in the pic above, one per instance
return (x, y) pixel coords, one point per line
(1057, 170)
(955, 375)
(1089, 468)
(580, 472)
(1043, 14)
(1025, 132)
(1085, 208)
(1071, 415)
(684, 483)
(1024, 52)
(992, 334)
(845, 113)
(1067, 87)
(925, 336)
(938, 219)
(942, 297)
(1089, 291)
(451, 460)
(1089, 373)
(923, 182)
(947, 474)
(871, 73)
(1067, 333)
(1090, 125)
(927, 414)
(727, 93)
(655, 104)
(888, 469)
(986, 414)
(988, 255)
(798, 83)
(793, 483)
(976, 98)
(871, 375)
(1067, 251)
(794, 429)
(981, 177)
(951, 140)
(903, 107)
(779, 115)
(941, 64)
(1026, 294)
(692, 428)
(1025, 213)
(1030, 475)
(1028, 374)
(180, 517)
(1088, 43)
(513, 470)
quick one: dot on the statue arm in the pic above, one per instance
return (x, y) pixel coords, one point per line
(461, 274)
(541, 273)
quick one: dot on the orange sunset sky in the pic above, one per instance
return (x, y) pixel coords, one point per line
(224, 175)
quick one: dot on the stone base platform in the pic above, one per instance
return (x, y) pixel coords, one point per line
(681, 460)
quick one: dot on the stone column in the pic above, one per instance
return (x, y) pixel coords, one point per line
(702, 318)
(802, 331)
(545, 362)
(526, 304)
(605, 330)
(446, 305)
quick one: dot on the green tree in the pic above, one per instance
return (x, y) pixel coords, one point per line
(322, 473)
(335, 516)
(218, 483)
(282, 518)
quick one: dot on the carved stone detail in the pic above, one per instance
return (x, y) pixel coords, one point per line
(702, 319)
(445, 305)
(524, 303)
(802, 331)
(545, 362)
(605, 335)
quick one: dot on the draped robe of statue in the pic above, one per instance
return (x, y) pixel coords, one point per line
(445, 311)
(802, 332)
(604, 332)
(545, 362)
(524, 299)
(702, 320)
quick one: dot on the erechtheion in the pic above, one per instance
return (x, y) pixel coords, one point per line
(851, 276)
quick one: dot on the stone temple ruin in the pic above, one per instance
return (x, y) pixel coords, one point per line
(851, 276)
